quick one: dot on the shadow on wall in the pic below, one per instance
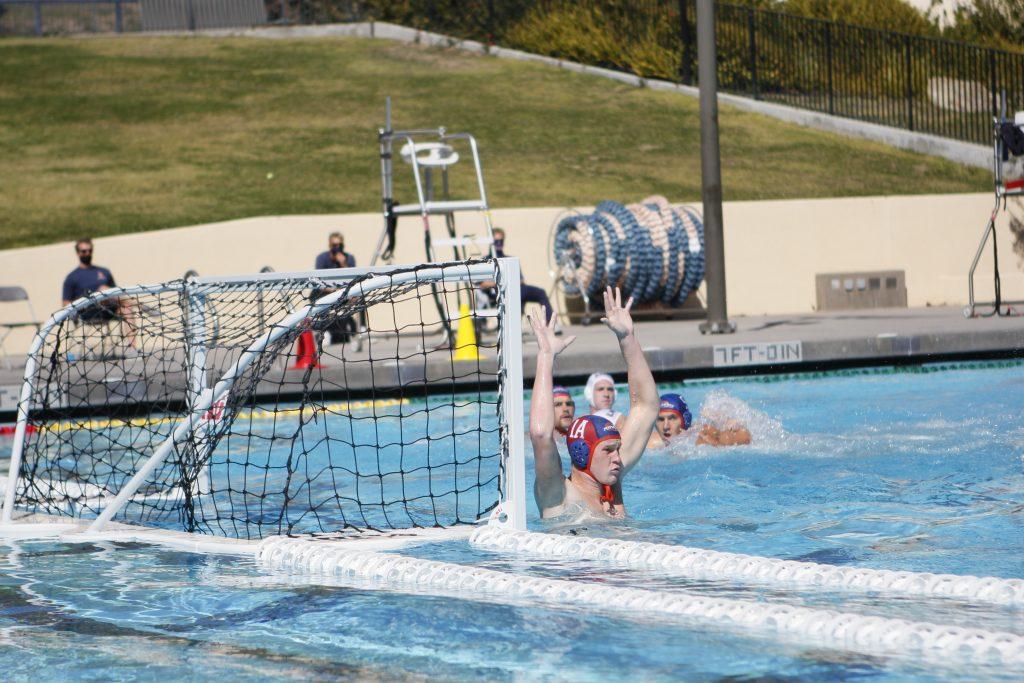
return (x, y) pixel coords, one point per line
(1015, 208)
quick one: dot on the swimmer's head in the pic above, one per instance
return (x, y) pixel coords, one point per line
(594, 444)
(565, 408)
(600, 391)
(674, 417)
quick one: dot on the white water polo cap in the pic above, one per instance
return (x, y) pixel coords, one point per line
(588, 391)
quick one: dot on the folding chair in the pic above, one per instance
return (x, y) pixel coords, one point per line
(10, 295)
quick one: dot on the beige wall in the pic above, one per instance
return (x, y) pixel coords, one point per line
(773, 249)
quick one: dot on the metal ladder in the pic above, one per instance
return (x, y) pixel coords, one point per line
(430, 153)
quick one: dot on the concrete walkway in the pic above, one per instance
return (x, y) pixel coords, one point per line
(800, 342)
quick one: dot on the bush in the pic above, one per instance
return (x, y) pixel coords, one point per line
(616, 34)
(996, 23)
(889, 15)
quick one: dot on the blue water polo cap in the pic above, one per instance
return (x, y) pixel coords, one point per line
(674, 403)
(584, 435)
(559, 390)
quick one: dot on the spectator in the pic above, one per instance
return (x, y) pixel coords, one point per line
(344, 329)
(335, 256)
(529, 294)
(87, 279)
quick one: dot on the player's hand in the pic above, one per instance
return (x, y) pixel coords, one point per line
(546, 338)
(616, 316)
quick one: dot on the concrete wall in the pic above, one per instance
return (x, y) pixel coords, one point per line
(773, 249)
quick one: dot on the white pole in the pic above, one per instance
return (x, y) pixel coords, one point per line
(197, 379)
(19, 432)
(512, 394)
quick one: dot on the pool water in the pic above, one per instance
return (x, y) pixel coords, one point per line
(917, 471)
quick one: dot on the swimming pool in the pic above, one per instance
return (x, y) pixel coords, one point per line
(897, 470)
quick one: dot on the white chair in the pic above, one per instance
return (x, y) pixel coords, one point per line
(12, 295)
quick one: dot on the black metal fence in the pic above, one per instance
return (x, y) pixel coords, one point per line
(919, 83)
(50, 17)
(43, 17)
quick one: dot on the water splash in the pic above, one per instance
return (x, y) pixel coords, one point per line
(722, 410)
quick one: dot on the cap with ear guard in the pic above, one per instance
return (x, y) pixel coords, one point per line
(588, 391)
(674, 403)
(584, 435)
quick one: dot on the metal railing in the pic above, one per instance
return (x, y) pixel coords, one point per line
(919, 83)
(49, 17)
(42, 17)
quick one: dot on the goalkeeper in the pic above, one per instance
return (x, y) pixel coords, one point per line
(601, 455)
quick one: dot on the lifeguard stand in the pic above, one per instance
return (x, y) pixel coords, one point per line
(1003, 137)
(430, 153)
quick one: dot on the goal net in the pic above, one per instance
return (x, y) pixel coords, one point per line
(292, 403)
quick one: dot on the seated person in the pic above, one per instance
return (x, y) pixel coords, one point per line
(335, 256)
(601, 454)
(344, 329)
(601, 393)
(527, 293)
(675, 419)
(565, 410)
(87, 279)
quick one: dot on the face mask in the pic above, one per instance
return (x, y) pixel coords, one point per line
(86, 259)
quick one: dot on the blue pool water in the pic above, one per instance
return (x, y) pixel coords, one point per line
(917, 471)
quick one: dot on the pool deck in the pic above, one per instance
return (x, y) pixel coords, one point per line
(799, 342)
(677, 350)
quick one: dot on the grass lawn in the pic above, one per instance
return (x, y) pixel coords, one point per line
(112, 135)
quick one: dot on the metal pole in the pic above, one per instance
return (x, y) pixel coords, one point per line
(490, 22)
(711, 172)
(512, 395)
(752, 36)
(387, 198)
(686, 38)
(992, 81)
(828, 58)
(908, 67)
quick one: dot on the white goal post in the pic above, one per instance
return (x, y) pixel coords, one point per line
(140, 405)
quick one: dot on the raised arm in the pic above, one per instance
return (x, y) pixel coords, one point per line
(549, 487)
(643, 392)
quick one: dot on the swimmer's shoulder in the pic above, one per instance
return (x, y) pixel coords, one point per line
(575, 506)
(571, 502)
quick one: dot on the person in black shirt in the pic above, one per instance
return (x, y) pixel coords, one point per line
(335, 256)
(527, 293)
(87, 279)
(344, 329)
